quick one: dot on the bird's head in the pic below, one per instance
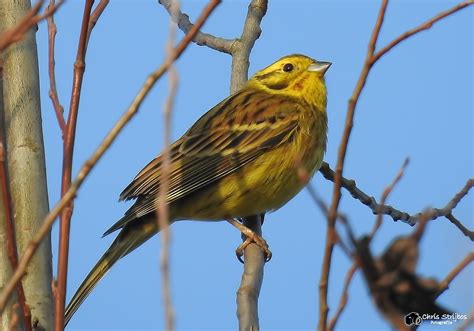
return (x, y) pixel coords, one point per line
(296, 75)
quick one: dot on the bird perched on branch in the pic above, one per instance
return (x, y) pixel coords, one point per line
(241, 158)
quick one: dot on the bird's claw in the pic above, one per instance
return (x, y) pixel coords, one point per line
(239, 251)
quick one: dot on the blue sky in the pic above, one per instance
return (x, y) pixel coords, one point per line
(418, 103)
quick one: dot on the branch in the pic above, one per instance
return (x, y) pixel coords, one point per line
(385, 194)
(370, 60)
(425, 26)
(344, 296)
(26, 166)
(69, 136)
(242, 47)
(247, 295)
(252, 278)
(201, 39)
(336, 196)
(468, 233)
(396, 214)
(14, 320)
(161, 205)
(9, 231)
(444, 285)
(52, 30)
(467, 323)
(325, 209)
(16, 33)
(98, 153)
(99, 9)
(53, 93)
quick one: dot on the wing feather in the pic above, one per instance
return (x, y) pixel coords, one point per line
(228, 137)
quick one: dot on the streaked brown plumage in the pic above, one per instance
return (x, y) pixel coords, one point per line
(239, 159)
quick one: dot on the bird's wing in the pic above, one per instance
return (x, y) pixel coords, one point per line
(229, 136)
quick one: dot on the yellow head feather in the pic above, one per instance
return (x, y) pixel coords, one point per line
(296, 76)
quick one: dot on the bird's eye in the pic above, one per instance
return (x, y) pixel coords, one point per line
(288, 67)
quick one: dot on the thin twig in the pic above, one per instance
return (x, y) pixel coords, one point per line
(341, 156)
(325, 209)
(468, 233)
(467, 323)
(13, 325)
(425, 26)
(97, 155)
(53, 93)
(201, 39)
(17, 32)
(396, 214)
(99, 9)
(162, 207)
(418, 233)
(444, 285)
(10, 242)
(370, 60)
(242, 47)
(344, 296)
(69, 136)
(386, 193)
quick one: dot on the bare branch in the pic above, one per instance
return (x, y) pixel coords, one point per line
(241, 48)
(351, 271)
(370, 60)
(201, 39)
(247, 295)
(325, 209)
(386, 193)
(336, 195)
(99, 9)
(344, 296)
(467, 323)
(16, 33)
(14, 321)
(468, 233)
(425, 26)
(97, 155)
(421, 226)
(444, 285)
(252, 278)
(53, 93)
(162, 207)
(9, 231)
(69, 136)
(21, 113)
(396, 214)
(458, 197)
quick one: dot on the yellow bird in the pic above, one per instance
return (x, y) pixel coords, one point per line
(241, 158)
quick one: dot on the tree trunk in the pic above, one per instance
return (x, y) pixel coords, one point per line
(25, 159)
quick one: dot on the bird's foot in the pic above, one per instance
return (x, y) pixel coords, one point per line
(252, 237)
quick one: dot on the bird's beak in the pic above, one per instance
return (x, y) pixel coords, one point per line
(319, 66)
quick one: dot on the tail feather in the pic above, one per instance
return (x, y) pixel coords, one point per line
(130, 237)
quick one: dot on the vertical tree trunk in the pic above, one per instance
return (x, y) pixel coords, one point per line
(25, 158)
(5, 263)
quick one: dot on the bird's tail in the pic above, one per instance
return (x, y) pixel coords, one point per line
(130, 237)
